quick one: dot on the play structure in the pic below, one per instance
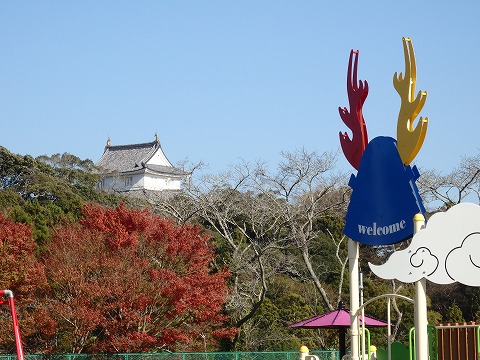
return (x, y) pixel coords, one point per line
(445, 341)
(386, 208)
(394, 350)
(339, 320)
(385, 197)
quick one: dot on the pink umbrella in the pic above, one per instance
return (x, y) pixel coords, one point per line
(337, 319)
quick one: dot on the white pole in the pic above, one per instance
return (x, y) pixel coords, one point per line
(364, 335)
(421, 332)
(353, 251)
(389, 330)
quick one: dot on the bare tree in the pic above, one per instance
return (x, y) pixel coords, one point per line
(443, 191)
(342, 260)
(308, 188)
(264, 216)
(226, 204)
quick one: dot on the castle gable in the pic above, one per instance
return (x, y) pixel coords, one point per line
(138, 166)
(123, 158)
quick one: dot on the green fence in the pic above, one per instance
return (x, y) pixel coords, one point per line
(283, 355)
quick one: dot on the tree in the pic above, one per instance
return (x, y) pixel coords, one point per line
(127, 281)
(287, 301)
(21, 273)
(454, 314)
(46, 190)
(268, 223)
(444, 191)
(306, 189)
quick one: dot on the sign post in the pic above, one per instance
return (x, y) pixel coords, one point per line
(421, 322)
(353, 251)
(385, 196)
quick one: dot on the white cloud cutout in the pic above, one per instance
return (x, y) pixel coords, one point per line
(463, 262)
(447, 250)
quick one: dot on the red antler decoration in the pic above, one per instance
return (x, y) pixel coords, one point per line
(357, 93)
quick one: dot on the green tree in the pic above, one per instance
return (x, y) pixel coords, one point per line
(46, 191)
(284, 305)
(454, 314)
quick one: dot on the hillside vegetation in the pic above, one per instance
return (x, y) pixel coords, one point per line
(225, 264)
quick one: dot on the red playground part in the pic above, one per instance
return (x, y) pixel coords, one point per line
(16, 330)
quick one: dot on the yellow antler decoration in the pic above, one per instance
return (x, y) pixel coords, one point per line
(409, 140)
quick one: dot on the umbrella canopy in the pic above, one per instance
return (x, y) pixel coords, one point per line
(337, 319)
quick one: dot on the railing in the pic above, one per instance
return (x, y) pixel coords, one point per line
(458, 341)
(280, 355)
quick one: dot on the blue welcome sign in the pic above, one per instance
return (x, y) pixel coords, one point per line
(385, 197)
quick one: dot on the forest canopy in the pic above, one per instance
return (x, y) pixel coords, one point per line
(227, 263)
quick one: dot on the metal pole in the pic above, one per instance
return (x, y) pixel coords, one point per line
(389, 329)
(353, 250)
(421, 332)
(363, 352)
(16, 328)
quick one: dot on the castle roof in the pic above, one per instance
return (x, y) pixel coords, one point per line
(136, 157)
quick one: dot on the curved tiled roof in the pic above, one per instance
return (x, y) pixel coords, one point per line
(166, 169)
(128, 158)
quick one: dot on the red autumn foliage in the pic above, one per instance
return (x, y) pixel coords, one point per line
(23, 274)
(128, 281)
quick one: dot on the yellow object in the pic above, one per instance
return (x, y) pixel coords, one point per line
(373, 348)
(419, 217)
(303, 349)
(409, 139)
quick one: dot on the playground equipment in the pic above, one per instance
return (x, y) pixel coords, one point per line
(402, 353)
(305, 354)
(384, 193)
(385, 198)
(338, 319)
(458, 341)
(395, 350)
(420, 304)
(6, 297)
(445, 342)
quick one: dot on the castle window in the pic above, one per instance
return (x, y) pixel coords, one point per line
(128, 181)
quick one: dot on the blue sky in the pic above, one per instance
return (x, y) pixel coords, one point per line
(221, 81)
